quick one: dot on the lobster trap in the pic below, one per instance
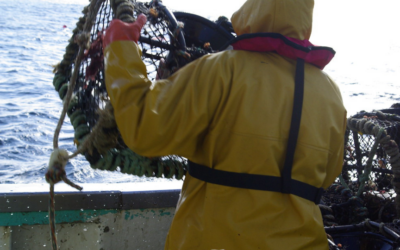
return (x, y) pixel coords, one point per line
(368, 185)
(361, 209)
(168, 42)
(357, 153)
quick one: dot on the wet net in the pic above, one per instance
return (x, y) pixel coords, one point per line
(164, 51)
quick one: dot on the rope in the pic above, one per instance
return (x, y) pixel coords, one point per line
(367, 170)
(343, 182)
(123, 10)
(367, 223)
(104, 135)
(101, 144)
(380, 228)
(59, 157)
(96, 143)
(175, 36)
(103, 139)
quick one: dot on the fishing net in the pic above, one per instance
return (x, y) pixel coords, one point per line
(367, 187)
(165, 50)
(361, 209)
(358, 146)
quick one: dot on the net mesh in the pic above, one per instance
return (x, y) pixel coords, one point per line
(341, 205)
(155, 43)
(163, 51)
(160, 41)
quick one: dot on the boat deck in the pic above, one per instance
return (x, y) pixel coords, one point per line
(101, 216)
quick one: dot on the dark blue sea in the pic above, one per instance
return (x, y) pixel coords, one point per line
(34, 33)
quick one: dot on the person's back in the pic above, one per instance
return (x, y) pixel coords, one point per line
(232, 111)
(248, 133)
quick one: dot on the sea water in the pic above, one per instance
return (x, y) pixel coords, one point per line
(34, 33)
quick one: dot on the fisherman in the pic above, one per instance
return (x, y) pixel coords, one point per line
(261, 125)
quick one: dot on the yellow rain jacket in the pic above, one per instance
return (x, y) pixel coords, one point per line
(232, 111)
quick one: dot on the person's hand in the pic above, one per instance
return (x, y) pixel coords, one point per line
(121, 31)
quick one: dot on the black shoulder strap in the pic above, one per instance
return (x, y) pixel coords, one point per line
(294, 126)
(285, 183)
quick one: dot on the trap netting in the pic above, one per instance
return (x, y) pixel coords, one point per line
(164, 51)
(367, 186)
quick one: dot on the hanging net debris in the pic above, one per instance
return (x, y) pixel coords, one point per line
(167, 45)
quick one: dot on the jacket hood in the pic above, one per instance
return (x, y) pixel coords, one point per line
(291, 18)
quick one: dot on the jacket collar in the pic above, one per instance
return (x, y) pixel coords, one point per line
(285, 46)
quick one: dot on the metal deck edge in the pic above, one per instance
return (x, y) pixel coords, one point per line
(130, 198)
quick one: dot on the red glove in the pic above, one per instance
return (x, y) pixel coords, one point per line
(121, 31)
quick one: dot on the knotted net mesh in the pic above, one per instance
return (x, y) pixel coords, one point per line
(366, 188)
(159, 45)
(164, 51)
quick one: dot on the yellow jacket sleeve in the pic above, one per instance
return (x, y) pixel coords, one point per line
(163, 118)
